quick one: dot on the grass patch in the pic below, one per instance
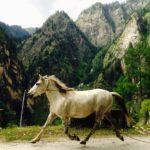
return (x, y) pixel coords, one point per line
(53, 133)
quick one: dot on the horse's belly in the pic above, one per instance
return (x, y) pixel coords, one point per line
(81, 115)
(81, 111)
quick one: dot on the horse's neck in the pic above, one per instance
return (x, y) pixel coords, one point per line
(56, 100)
(53, 96)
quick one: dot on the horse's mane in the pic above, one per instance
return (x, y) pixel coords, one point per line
(62, 87)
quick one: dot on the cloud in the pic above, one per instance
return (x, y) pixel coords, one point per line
(29, 13)
(44, 6)
(20, 12)
(72, 7)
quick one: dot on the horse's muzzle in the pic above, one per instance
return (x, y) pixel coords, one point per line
(29, 95)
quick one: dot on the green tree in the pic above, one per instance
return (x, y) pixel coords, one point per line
(144, 111)
(137, 66)
(97, 62)
(125, 87)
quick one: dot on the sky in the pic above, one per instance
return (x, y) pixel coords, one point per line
(33, 13)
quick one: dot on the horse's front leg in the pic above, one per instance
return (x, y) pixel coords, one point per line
(49, 120)
(66, 123)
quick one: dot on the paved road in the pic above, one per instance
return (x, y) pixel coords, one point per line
(93, 144)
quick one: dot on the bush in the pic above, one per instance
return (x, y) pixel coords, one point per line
(145, 111)
(133, 110)
(125, 87)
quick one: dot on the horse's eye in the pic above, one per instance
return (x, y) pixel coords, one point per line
(37, 84)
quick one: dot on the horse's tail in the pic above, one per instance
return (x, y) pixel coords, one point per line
(120, 101)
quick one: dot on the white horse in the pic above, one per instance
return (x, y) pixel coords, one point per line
(68, 103)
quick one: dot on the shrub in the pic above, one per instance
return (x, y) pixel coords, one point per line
(133, 110)
(145, 111)
(125, 87)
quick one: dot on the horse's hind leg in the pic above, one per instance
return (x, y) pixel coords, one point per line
(98, 118)
(109, 118)
(66, 123)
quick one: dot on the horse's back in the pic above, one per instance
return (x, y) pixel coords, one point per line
(83, 103)
(92, 91)
(102, 92)
(96, 96)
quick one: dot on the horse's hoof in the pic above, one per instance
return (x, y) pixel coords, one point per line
(83, 142)
(121, 138)
(77, 138)
(34, 141)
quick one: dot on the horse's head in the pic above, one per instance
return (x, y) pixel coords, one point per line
(39, 87)
(49, 84)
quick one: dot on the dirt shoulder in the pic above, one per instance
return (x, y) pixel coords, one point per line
(102, 143)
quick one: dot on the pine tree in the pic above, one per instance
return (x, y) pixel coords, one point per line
(137, 62)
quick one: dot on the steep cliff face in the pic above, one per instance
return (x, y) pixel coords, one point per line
(95, 23)
(118, 16)
(12, 79)
(59, 48)
(136, 31)
(131, 34)
(104, 23)
(131, 5)
(113, 63)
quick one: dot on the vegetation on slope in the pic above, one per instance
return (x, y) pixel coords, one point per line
(12, 80)
(59, 48)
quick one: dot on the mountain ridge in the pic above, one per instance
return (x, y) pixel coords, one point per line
(114, 64)
(14, 31)
(58, 37)
(103, 23)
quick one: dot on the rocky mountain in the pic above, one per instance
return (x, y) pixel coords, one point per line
(131, 5)
(95, 25)
(31, 30)
(12, 78)
(115, 55)
(102, 24)
(63, 48)
(17, 33)
(135, 32)
(59, 48)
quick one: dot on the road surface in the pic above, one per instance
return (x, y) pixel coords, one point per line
(93, 144)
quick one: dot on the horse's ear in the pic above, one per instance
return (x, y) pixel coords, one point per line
(40, 76)
(45, 77)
